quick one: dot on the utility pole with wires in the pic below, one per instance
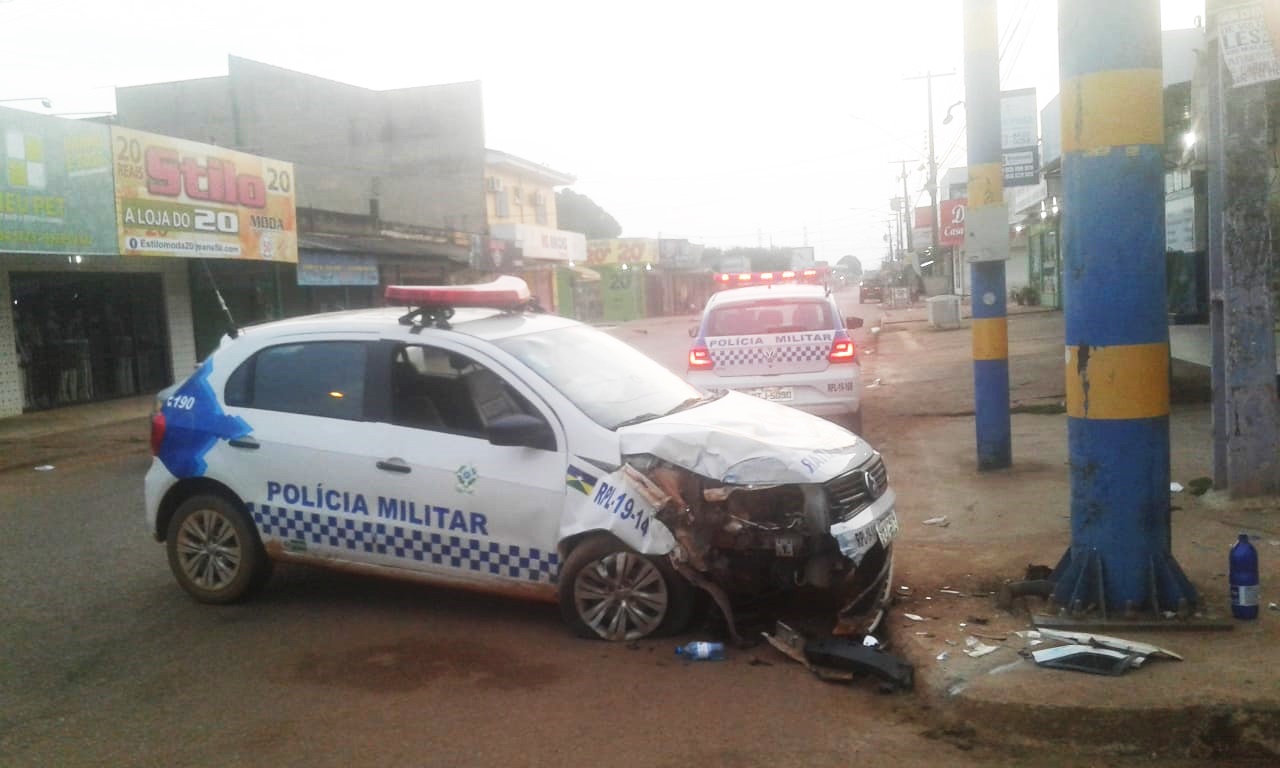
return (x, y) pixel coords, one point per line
(932, 159)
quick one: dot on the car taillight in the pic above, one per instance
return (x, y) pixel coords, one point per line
(843, 351)
(700, 359)
(157, 432)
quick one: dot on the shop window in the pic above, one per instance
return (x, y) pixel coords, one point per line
(324, 378)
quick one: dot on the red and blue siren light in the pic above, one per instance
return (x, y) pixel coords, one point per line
(814, 275)
(505, 292)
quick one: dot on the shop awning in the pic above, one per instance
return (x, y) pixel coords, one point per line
(589, 275)
(383, 246)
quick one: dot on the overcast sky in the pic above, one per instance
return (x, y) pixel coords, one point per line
(730, 123)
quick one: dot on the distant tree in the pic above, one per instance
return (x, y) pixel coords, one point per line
(850, 264)
(579, 213)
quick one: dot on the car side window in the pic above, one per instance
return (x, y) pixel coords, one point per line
(434, 388)
(320, 378)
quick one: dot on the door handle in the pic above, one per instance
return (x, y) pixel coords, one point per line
(242, 442)
(394, 465)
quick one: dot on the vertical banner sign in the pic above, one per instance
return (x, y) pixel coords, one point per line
(951, 222)
(182, 198)
(1248, 35)
(55, 185)
(1019, 146)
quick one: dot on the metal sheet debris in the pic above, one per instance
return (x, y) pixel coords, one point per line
(1086, 658)
(1113, 643)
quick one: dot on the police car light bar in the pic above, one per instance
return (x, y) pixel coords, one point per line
(506, 292)
(738, 279)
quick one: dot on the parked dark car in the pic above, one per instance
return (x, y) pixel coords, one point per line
(870, 289)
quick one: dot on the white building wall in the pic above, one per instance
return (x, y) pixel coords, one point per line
(177, 298)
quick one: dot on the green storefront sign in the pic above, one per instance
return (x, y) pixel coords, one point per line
(57, 192)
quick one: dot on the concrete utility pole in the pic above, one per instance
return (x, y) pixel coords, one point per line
(1117, 333)
(933, 159)
(987, 236)
(1246, 423)
(908, 208)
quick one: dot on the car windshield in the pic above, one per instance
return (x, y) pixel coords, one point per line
(780, 316)
(608, 379)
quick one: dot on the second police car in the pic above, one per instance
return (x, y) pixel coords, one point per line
(779, 336)
(478, 442)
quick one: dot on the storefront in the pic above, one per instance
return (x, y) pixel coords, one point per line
(540, 253)
(1044, 267)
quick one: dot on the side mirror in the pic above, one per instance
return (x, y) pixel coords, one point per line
(520, 429)
(693, 331)
(852, 322)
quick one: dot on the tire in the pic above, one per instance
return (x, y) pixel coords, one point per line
(599, 586)
(214, 550)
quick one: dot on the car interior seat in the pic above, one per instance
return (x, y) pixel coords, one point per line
(412, 404)
(491, 396)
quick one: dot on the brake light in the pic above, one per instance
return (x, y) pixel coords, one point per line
(843, 351)
(157, 432)
(700, 359)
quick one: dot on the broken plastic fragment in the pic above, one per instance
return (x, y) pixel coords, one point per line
(44, 468)
(950, 591)
(870, 641)
(913, 617)
(1175, 487)
(978, 650)
(1106, 641)
(940, 521)
(1028, 634)
(1086, 658)
(943, 656)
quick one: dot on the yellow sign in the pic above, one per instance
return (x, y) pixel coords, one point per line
(182, 198)
(629, 250)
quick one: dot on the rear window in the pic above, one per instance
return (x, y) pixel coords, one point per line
(772, 317)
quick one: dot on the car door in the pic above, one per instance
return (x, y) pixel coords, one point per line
(308, 468)
(467, 510)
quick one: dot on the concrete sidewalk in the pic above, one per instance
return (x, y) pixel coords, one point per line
(1222, 700)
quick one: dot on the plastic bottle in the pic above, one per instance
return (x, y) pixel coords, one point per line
(701, 651)
(1244, 579)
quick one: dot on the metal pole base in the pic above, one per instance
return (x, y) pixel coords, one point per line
(1080, 589)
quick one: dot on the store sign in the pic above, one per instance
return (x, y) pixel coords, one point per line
(543, 243)
(630, 250)
(1019, 137)
(55, 185)
(319, 268)
(182, 198)
(951, 222)
(1248, 34)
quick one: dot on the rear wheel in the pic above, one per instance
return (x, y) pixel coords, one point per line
(214, 551)
(611, 592)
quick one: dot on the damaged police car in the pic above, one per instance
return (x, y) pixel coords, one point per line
(476, 441)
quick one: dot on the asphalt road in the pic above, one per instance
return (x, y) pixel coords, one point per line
(105, 661)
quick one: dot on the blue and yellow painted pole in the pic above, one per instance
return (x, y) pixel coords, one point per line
(987, 236)
(1117, 335)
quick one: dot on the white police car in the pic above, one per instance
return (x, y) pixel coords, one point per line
(477, 442)
(778, 337)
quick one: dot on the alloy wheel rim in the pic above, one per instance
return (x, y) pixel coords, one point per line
(209, 549)
(621, 596)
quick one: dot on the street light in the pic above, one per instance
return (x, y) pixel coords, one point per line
(948, 118)
(44, 101)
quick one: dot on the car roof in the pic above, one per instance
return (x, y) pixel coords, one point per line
(489, 324)
(753, 293)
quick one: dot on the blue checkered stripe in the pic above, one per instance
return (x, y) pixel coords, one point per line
(763, 355)
(374, 537)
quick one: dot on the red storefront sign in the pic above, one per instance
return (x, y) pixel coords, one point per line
(951, 222)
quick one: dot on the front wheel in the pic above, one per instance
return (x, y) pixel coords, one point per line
(611, 592)
(214, 551)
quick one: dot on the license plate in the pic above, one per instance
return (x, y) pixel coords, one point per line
(775, 394)
(887, 528)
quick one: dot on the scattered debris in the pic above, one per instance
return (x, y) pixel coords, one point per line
(870, 641)
(1086, 658)
(964, 624)
(1113, 643)
(873, 385)
(930, 634)
(943, 656)
(951, 642)
(1028, 634)
(45, 468)
(838, 659)
(940, 521)
(913, 617)
(976, 649)
(1175, 487)
(1273, 607)
(955, 592)
(1006, 667)
(997, 638)
(904, 589)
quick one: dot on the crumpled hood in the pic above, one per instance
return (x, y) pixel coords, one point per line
(744, 440)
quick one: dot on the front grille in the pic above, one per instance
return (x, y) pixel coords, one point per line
(847, 494)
